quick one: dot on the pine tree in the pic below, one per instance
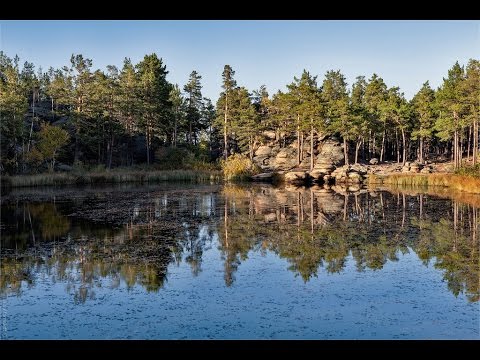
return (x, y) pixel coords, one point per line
(450, 123)
(424, 112)
(337, 107)
(154, 93)
(359, 114)
(375, 96)
(472, 98)
(178, 111)
(193, 91)
(303, 100)
(224, 104)
(244, 118)
(13, 106)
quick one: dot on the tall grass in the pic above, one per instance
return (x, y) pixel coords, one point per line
(239, 167)
(112, 177)
(458, 182)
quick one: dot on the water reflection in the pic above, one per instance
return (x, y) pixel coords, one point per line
(133, 237)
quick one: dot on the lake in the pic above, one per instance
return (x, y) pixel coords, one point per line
(185, 261)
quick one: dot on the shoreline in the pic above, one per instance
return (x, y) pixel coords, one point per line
(110, 177)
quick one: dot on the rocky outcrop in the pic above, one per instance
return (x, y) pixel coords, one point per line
(331, 151)
(271, 157)
(267, 176)
(296, 177)
(412, 167)
(349, 174)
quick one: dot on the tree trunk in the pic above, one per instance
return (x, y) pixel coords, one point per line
(382, 149)
(455, 149)
(404, 154)
(312, 155)
(301, 146)
(298, 140)
(147, 141)
(225, 144)
(475, 142)
(420, 158)
(357, 148)
(398, 146)
(175, 133)
(469, 141)
(345, 150)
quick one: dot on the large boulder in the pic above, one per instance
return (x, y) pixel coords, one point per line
(296, 176)
(271, 135)
(331, 151)
(286, 159)
(263, 150)
(268, 176)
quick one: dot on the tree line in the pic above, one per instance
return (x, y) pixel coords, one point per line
(120, 117)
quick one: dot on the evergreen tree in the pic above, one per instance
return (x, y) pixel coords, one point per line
(154, 104)
(375, 97)
(424, 112)
(13, 106)
(224, 104)
(337, 105)
(193, 91)
(359, 114)
(451, 120)
(472, 99)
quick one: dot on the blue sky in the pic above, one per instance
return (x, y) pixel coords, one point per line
(403, 53)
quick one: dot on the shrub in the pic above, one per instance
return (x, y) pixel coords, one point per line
(169, 158)
(469, 171)
(238, 167)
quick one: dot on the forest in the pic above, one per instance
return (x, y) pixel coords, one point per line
(78, 117)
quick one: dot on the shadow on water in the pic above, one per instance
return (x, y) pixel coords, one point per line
(134, 235)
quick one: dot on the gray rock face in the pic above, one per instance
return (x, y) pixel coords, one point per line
(412, 167)
(263, 151)
(271, 135)
(270, 157)
(349, 174)
(263, 176)
(331, 152)
(296, 176)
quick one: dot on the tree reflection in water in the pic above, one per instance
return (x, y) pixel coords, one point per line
(311, 228)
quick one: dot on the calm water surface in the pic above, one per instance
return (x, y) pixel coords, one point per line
(238, 262)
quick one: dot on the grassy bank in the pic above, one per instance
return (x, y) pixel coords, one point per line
(456, 182)
(111, 177)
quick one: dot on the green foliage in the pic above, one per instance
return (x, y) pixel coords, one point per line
(473, 171)
(238, 167)
(111, 113)
(51, 140)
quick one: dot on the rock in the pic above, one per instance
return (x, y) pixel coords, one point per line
(355, 177)
(268, 176)
(270, 217)
(316, 174)
(373, 161)
(271, 135)
(263, 151)
(296, 176)
(331, 150)
(425, 170)
(361, 169)
(284, 153)
(353, 188)
(305, 163)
